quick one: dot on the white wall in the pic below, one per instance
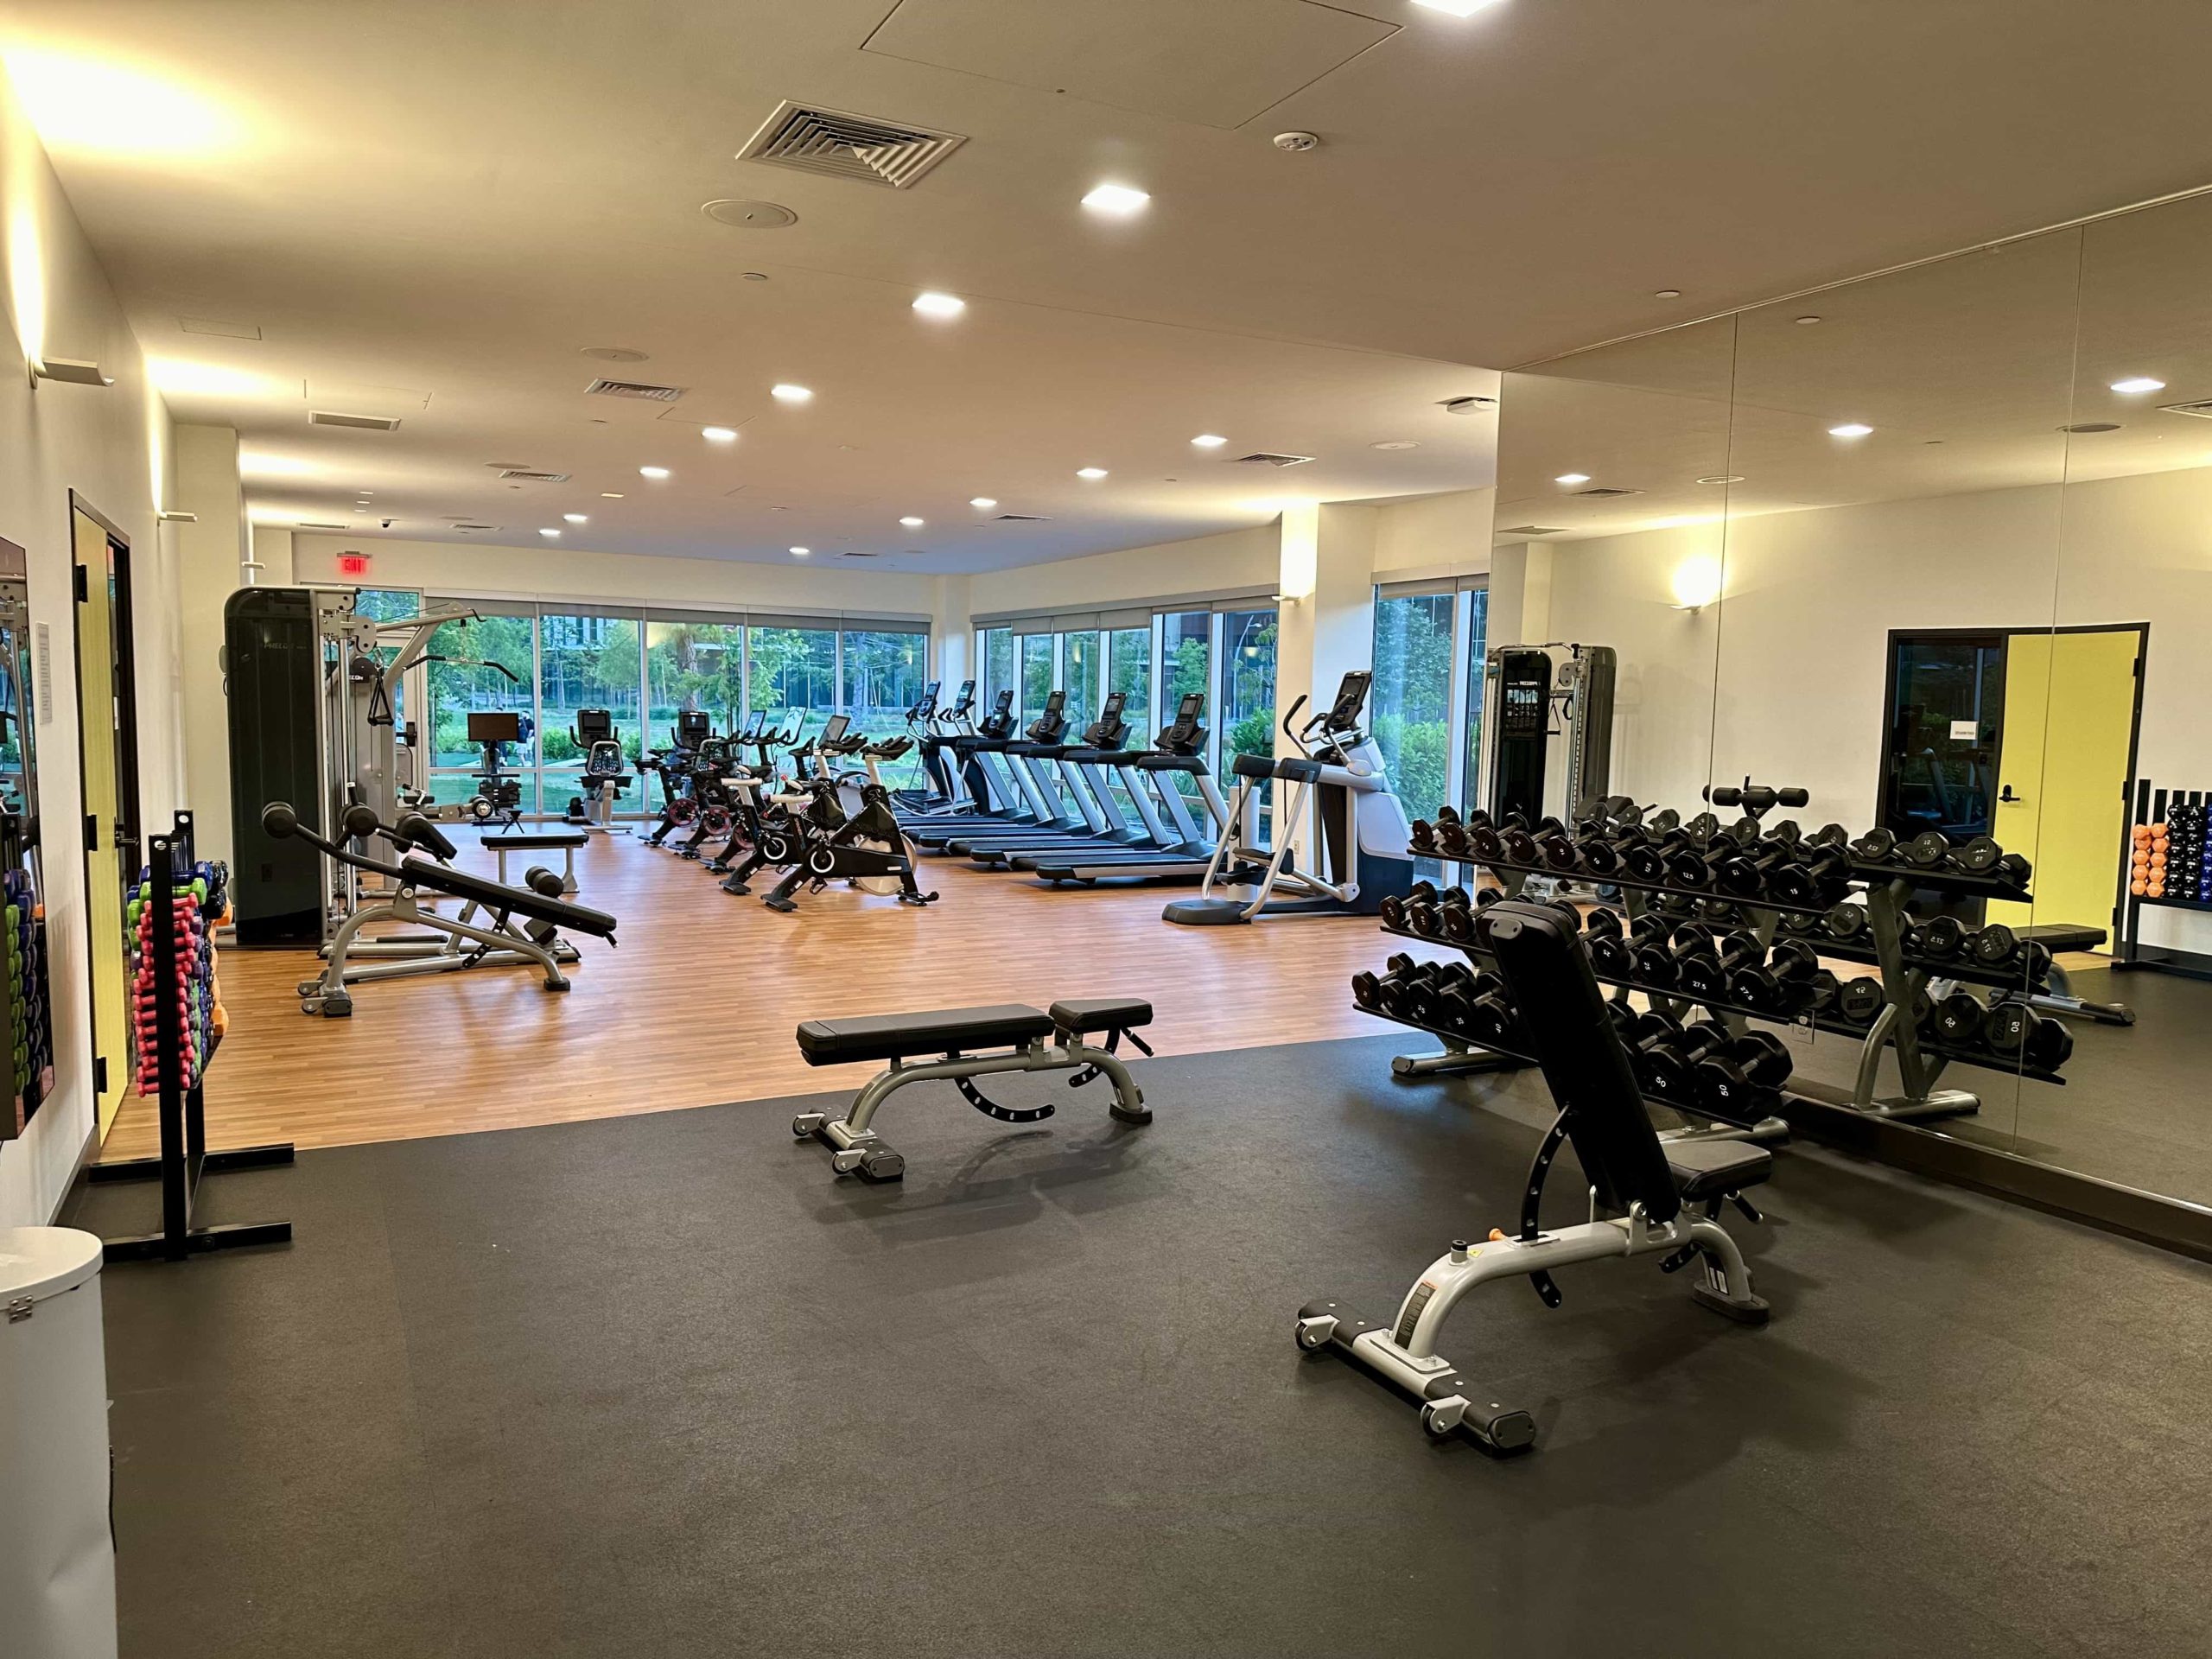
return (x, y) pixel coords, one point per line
(549, 572)
(208, 555)
(1786, 678)
(112, 445)
(1427, 536)
(1234, 559)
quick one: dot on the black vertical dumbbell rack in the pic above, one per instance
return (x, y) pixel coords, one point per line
(184, 1156)
(1889, 887)
(2153, 804)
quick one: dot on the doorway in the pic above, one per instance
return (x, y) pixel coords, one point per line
(107, 709)
(2025, 734)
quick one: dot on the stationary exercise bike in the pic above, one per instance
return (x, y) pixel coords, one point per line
(605, 774)
(866, 848)
(674, 764)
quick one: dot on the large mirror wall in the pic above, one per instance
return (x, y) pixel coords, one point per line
(1937, 548)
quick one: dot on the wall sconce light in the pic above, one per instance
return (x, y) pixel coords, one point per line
(76, 373)
(175, 517)
(1696, 584)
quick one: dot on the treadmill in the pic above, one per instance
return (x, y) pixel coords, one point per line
(1040, 806)
(1187, 849)
(990, 798)
(1083, 771)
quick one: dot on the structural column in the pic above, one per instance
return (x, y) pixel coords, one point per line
(209, 552)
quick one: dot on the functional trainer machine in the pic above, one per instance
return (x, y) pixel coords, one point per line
(1356, 830)
(1662, 1196)
(1054, 1039)
(1525, 705)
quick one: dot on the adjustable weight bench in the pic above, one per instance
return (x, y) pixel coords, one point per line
(1670, 1192)
(1025, 1038)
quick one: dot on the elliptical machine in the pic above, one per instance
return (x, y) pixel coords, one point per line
(1356, 828)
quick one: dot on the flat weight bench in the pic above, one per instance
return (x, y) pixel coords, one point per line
(563, 842)
(2060, 998)
(1031, 1039)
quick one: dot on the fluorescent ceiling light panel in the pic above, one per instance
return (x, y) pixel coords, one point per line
(939, 305)
(790, 394)
(1118, 200)
(2136, 384)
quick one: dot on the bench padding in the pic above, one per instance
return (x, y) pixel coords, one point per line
(520, 901)
(1709, 1169)
(903, 1036)
(539, 840)
(2062, 936)
(1083, 1015)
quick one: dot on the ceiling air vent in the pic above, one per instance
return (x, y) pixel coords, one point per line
(1264, 459)
(475, 526)
(2201, 410)
(847, 146)
(857, 554)
(366, 422)
(645, 390)
(1022, 518)
(1535, 529)
(524, 475)
(1602, 493)
(306, 525)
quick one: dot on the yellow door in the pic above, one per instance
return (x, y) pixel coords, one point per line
(2070, 722)
(98, 715)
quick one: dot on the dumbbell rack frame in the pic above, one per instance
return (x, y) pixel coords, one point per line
(184, 1157)
(2150, 804)
(1889, 888)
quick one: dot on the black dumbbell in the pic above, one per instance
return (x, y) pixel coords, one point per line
(1929, 850)
(1846, 924)
(1822, 991)
(1877, 846)
(1740, 1075)
(1492, 1019)
(1859, 1001)
(1455, 1001)
(1485, 842)
(1830, 835)
(1959, 1019)
(1939, 937)
(1458, 916)
(2048, 1046)
(1518, 845)
(1394, 908)
(1671, 1059)
(1704, 966)
(1423, 996)
(1420, 835)
(2010, 867)
(1557, 849)
(1778, 985)
(1977, 855)
(1993, 944)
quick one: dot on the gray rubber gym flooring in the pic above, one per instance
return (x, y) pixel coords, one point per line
(663, 1386)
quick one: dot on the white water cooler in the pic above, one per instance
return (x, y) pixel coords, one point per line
(57, 1555)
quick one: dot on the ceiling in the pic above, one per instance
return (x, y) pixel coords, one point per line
(1975, 373)
(431, 211)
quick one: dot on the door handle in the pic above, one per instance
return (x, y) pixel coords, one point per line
(2006, 797)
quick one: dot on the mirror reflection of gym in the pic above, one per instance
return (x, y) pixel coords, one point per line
(26, 1010)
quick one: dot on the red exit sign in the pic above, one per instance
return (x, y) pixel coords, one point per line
(353, 564)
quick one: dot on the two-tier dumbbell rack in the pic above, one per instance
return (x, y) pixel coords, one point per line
(1921, 1063)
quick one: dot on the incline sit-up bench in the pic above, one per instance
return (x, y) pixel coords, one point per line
(1032, 1040)
(497, 939)
(1650, 1182)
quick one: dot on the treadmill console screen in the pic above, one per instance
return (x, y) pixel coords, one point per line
(1186, 714)
(1116, 701)
(494, 728)
(835, 729)
(690, 727)
(966, 700)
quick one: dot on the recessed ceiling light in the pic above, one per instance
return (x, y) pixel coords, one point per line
(790, 394)
(1397, 443)
(2136, 384)
(1572, 478)
(2092, 426)
(548, 532)
(802, 552)
(1850, 430)
(1119, 200)
(983, 501)
(939, 305)
(718, 434)
(610, 495)
(1807, 322)
(1667, 294)
(1456, 8)
(1094, 473)
(574, 518)
(911, 522)
(1209, 441)
(652, 471)
(1722, 478)
(615, 353)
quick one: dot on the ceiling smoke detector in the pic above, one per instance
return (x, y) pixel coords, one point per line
(847, 146)
(644, 390)
(1298, 142)
(1263, 458)
(742, 214)
(362, 423)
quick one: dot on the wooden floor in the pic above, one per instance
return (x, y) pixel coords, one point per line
(697, 1005)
